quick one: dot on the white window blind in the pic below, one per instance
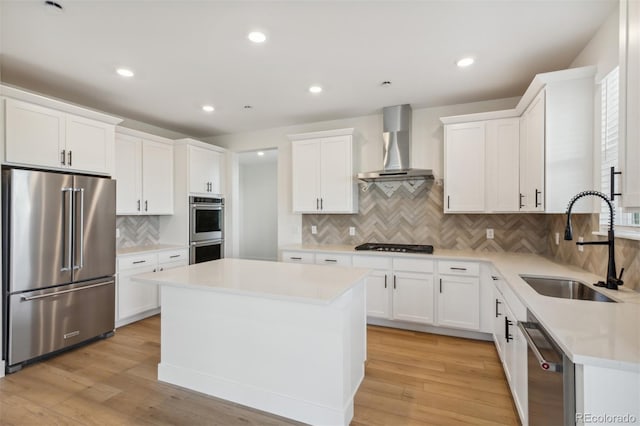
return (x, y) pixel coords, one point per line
(609, 151)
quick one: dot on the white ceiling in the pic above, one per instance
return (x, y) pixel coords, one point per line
(188, 53)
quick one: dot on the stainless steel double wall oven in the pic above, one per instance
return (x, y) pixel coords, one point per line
(206, 229)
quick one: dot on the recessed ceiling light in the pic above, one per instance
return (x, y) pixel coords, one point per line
(257, 37)
(465, 62)
(260, 153)
(125, 72)
(207, 108)
(315, 89)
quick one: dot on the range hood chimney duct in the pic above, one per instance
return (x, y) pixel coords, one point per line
(396, 127)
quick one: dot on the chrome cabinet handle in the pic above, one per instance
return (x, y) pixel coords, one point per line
(440, 285)
(394, 282)
(454, 268)
(538, 193)
(63, 159)
(139, 261)
(70, 158)
(448, 202)
(138, 205)
(544, 364)
(521, 197)
(57, 293)
(385, 280)
(146, 205)
(331, 260)
(321, 202)
(174, 256)
(317, 204)
(497, 312)
(295, 258)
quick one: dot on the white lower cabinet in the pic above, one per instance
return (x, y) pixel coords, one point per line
(135, 300)
(459, 294)
(511, 344)
(413, 297)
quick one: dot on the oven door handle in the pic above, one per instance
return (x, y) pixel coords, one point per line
(205, 243)
(205, 207)
(544, 364)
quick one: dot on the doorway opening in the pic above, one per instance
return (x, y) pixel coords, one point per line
(258, 205)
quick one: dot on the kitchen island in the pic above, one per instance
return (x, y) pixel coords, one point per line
(284, 338)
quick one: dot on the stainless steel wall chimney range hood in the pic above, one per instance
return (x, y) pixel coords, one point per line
(396, 126)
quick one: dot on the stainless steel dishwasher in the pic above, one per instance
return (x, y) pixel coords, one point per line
(551, 385)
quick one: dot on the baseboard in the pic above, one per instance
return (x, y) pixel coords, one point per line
(251, 396)
(137, 317)
(425, 328)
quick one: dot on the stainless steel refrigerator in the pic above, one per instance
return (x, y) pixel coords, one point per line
(58, 262)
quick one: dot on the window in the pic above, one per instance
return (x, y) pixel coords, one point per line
(609, 153)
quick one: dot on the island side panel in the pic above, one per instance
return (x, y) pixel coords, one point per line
(296, 359)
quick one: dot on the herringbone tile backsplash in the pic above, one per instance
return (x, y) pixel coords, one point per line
(593, 258)
(137, 230)
(418, 218)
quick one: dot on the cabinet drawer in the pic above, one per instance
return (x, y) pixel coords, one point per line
(170, 265)
(298, 257)
(372, 262)
(333, 259)
(137, 261)
(173, 255)
(454, 267)
(412, 265)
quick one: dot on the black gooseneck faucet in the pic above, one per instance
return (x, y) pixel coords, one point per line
(612, 281)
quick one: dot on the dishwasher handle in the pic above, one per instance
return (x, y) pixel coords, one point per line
(544, 364)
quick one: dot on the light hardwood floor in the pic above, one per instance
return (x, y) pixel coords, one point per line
(411, 379)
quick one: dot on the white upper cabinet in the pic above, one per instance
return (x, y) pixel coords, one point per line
(503, 161)
(144, 174)
(532, 130)
(629, 123)
(323, 172)
(46, 137)
(464, 158)
(204, 171)
(547, 155)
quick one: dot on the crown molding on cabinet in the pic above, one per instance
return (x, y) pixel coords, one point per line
(322, 134)
(60, 105)
(195, 142)
(142, 135)
(537, 84)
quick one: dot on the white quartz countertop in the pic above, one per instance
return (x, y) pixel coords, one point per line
(148, 249)
(317, 284)
(591, 333)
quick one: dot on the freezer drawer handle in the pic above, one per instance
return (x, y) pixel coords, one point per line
(58, 293)
(544, 364)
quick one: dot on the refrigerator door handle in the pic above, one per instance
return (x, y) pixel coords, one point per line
(58, 293)
(66, 266)
(80, 247)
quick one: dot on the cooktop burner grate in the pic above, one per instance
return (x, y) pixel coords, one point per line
(399, 248)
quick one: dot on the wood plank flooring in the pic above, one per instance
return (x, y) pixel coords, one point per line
(411, 379)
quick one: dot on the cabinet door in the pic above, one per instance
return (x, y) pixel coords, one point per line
(204, 171)
(464, 167)
(34, 135)
(498, 322)
(128, 175)
(306, 176)
(629, 154)
(89, 144)
(459, 302)
(413, 297)
(135, 297)
(157, 177)
(378, 294)
(503, 168)
(532, 140)
(336, 175)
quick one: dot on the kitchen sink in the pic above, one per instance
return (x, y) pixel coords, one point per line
(564, 289)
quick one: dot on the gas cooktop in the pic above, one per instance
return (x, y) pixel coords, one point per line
(400, 248)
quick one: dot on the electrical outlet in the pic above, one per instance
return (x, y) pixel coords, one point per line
(557, 238)
(314, 229)
(580, 240)
(489, 233)
(117, 232)
(352, 231)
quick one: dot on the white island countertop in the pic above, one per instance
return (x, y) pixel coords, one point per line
(316, 284)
